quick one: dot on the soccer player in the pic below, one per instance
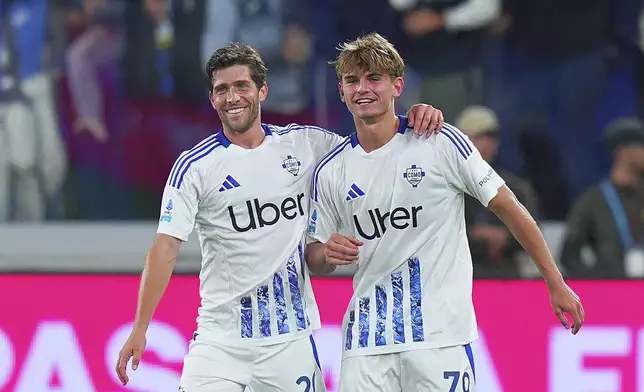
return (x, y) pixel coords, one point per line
(395, 207)
(245, 191)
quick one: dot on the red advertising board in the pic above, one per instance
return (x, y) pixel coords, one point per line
(63, 333)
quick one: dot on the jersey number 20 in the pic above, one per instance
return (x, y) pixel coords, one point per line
(307, 383)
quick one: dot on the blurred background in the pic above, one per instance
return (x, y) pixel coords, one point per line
(99, 97)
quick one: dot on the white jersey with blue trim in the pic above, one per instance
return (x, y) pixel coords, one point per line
(405, 202)
(250, 211)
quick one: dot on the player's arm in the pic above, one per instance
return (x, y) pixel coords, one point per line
(526, 231)
(316, 260)
(178, 212)
(325, 248)
(466, 170)
(156, 275)
(524, 228)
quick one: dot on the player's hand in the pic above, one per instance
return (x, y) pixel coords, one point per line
(421, 22)
(565, 301)
(341, 250)
(133, 348)
(425, 119)
(93, 126)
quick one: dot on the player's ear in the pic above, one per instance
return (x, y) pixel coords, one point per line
(263, 92)
(341, 92)
(399, 84)
(211, 98)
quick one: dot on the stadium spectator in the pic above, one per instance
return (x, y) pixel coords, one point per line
(544, 174)
(609, 218)
(162, 47)
(95, 47)
(32, 158)
(494, 250)
(443, 41)
(279, 31)
(340, 21)
(557, 72)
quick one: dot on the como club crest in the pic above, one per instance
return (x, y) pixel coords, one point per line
(414, 175)
(291, 164)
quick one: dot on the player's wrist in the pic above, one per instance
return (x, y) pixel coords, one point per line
(140, 327)
(322, 269)
(553, 279)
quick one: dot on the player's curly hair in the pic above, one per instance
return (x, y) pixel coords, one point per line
(369, 52)
(237, 53)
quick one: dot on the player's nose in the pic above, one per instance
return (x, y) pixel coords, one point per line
(232, 97)
(363, 86)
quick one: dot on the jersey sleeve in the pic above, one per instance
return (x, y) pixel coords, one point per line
(464, 167)
(324, 218)
(180, 202)
(322, 140)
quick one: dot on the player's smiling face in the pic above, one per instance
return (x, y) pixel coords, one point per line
(236, 97)
(369, 94)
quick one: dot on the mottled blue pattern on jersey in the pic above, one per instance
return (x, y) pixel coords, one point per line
(349, 340)
(263, 311)
(381, 312)
(300, 253)
(246, 317)
(416, 300)
(280, 303)
(363, 322)
(398, 318)
(296, 295)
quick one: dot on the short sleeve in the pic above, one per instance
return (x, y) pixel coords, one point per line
(180, 202)
(323, 140)
(464, 167)
(324, 219)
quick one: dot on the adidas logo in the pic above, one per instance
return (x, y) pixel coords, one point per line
(354, 192)
(230, 183)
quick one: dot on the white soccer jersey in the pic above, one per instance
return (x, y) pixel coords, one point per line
(250, 210)
(405, 201)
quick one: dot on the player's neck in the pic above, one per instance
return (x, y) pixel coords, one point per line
(374, 134)
(249, 139)
(623, 175)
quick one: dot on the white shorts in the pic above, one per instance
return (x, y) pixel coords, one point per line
(286, 367)
(449, 369)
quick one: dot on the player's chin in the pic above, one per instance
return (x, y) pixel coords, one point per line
(238, 125)
(237, 122)
(369, 115)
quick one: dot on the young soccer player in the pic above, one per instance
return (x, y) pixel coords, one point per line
(245, 191)
(395, 207)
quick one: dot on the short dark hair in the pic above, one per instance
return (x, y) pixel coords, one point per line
(237, 54)
(624, 131)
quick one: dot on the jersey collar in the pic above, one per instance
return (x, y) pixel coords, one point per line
(221, 137)
(402, 127)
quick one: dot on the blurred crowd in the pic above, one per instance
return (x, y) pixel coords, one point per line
(98, 97)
